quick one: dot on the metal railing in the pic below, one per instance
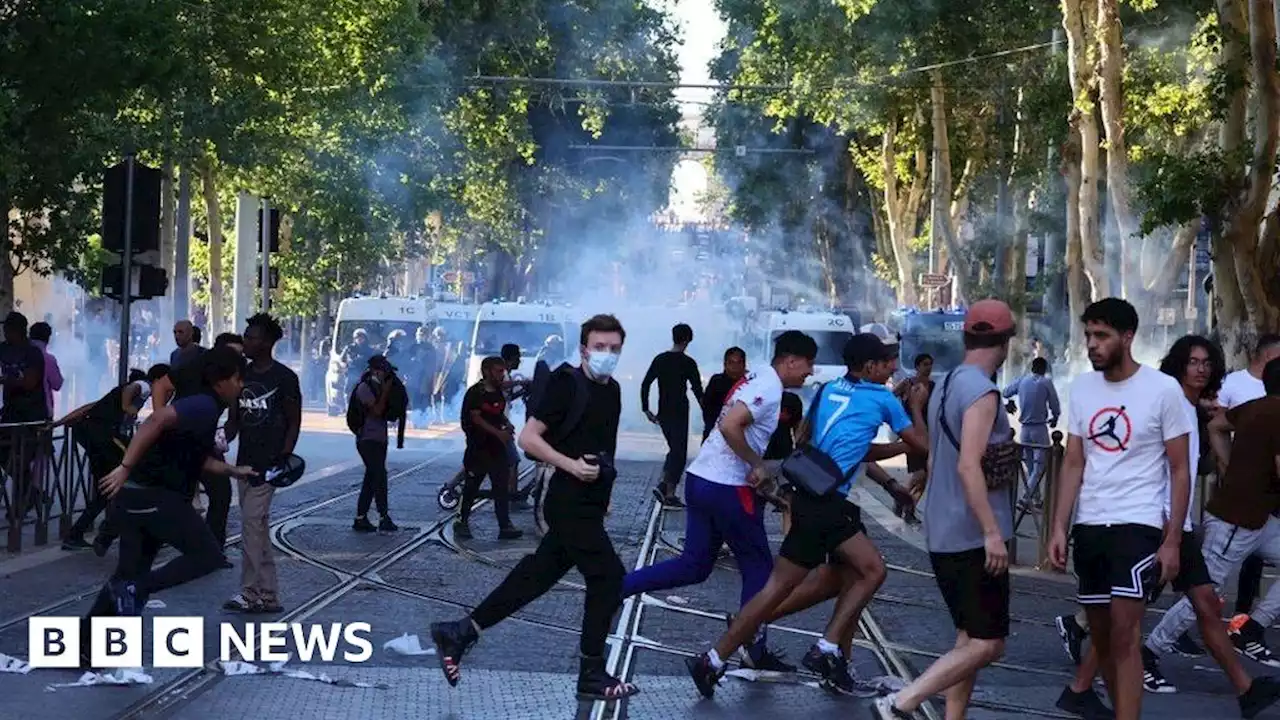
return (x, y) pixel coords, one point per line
(45, 478)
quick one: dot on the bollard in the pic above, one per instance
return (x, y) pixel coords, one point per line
(1050, 489)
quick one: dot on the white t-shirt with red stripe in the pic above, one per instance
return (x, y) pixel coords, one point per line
(761, 393)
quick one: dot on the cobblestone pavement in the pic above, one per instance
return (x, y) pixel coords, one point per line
(524, 668)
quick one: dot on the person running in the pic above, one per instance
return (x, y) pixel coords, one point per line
(1197, 364)
(99, 428)
(844, 419)
(967, 514)
(1126, 463)
(719, 387)
(575, 428)
(1238, 388)
(488, 436)
(675, 373)
(1038, 400)
(267, 424)
(373, 392)
(150, 493)
(722, 507)
(515, 388)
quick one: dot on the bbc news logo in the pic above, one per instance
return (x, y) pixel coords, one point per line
(179, 642)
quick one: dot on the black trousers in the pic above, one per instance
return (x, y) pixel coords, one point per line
(1250, 584)
(374, 488)
(146, 520)
(570, 542)
(675, 429)
(218, 488)
(104, 455)
(499, 473)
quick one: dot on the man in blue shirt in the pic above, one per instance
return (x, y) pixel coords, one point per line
(844, 422)
(1040, 410)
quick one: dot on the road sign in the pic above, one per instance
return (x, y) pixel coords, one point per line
(468, 277)
(934, 281)
(1167, 316)
(452, 276)
(1192, 313)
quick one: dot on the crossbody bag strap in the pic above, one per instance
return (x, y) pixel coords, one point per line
(942, 412)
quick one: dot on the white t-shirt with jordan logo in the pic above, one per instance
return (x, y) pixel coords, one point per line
(1123, 427)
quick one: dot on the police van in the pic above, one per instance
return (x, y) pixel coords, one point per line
(378, 317)
(830, 329)
(526, 324)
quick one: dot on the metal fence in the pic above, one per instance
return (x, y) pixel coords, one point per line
(46, 479)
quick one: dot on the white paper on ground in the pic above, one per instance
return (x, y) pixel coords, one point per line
(9, 664)
(677, 600)
(121, 676)
(238, 667)
(407, 644)
(156, 605)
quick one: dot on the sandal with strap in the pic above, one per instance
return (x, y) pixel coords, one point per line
(605, 687)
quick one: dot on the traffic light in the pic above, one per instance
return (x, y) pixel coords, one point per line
(275, 230)
(146, 208)
(148, 282)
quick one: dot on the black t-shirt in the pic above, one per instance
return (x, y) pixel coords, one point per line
(782, 443)
(262, 419)
(493, 407)
(595, 433)
(674, 372)
(107, 415)
(718, 388)
(21, 405)
(174, 461)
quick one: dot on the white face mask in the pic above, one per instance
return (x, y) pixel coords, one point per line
(602, 363)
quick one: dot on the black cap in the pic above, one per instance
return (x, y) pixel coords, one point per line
(865, 348)
(16, 320)
(379, 362)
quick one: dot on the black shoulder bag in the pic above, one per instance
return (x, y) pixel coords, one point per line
(811, 470)
(1000, 461)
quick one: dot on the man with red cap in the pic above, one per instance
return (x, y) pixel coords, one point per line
(967, 513)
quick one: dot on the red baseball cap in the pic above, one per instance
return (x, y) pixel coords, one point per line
(989, 317)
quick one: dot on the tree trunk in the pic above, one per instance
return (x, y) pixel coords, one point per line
(213, 213)
(901, 225)
(1111, 92)
(1080, 39)
(1161, 283)
(1075, 282)
(943, 230)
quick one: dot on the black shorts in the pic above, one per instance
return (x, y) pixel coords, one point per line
(917, 462)
(978, 601)
(1116, 561)
(1192, 572)
(818, 527)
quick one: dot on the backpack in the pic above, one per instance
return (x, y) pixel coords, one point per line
(355, 411)
(397, 408)
(537, 387)
(577, 404)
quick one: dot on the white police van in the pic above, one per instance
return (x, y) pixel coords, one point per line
(378, 316)
(522, 323)
(831, 330)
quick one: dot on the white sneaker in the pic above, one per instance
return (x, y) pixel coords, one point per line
(885, 706)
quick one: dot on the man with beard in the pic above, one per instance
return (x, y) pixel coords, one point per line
(150, 493)
(1197, 364)
(1126, 463)
(267, 424)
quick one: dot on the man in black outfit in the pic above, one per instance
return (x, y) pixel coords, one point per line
(488, 433)
(575, 429)
(151, 494)
(673, 370)
(22, 376)
(719, 387)
(99, 428)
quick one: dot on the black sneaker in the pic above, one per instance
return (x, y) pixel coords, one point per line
(1086, 704)
(510, 533)
(76, 543)
(461, 530)
(1072, 635)
(1153, 681)
(125, 595)
(704, 675)
(102, 543)
(363, 525)
(1250, 640)
(595, 683)
(453, 640)
(385, 525)
(1261, 695)
(834, 671)
(762, 658)
(1186, 647)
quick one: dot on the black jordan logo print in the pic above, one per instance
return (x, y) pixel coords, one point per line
(1110, 429)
